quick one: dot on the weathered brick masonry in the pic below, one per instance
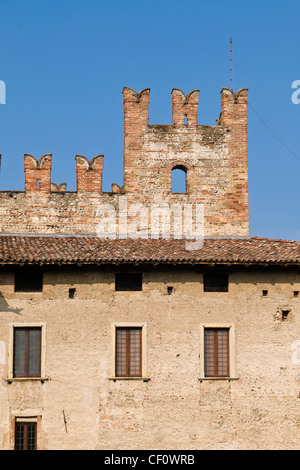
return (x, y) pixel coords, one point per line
(213, 157)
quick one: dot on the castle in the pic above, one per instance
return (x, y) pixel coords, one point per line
(118, 336)
(214, 159)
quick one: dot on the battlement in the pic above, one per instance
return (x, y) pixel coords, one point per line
(89, 173)
(233, 118)
(185, 106)
(37, 173)
(213, 159)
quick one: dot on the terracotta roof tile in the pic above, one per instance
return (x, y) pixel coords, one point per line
(92, 250)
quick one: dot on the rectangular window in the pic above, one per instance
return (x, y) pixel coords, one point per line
(128, 352)
(216, 352)
(28, 280)
(215, 282)
(25, 435)
(27, 352)
(128, 282)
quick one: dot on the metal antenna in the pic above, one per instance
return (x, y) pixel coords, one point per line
(231, 63)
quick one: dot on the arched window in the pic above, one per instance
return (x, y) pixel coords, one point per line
(179, 179)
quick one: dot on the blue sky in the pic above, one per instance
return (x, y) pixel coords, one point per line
(65, 63)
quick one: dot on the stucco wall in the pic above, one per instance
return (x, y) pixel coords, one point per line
(173, 409)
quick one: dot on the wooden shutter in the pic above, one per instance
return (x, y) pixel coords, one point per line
(216, 352)
(27, 352)
(128, 352)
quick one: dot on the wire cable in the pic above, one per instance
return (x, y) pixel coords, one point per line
(272, 132)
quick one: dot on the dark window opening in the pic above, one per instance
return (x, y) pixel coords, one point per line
(296, 293)
(128, 352)
(285, 315)
(28, 280)
(215, 282)
(72, 292)
(25, 435)
(264, 293)
(170, 290)
(179, 179)
(27, 352)
(128, 281)
(216, 352)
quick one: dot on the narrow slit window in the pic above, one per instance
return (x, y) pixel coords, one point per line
(179, 179)
(128, 352)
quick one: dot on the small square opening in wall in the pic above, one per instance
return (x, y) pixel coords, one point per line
(72, 292)
(296, 293)
(170, 290)
(285, 315)
(264, 292)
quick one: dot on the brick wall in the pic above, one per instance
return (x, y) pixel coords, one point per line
(214, 159)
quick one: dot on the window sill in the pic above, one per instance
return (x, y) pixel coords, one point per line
(128, 291)
(218, 378)
(28, 292)
(216, 292)
(143, 379)
(26, 379)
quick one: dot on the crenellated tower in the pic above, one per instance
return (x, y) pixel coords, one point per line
(212, 158)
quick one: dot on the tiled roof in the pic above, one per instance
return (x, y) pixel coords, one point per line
(15, 249)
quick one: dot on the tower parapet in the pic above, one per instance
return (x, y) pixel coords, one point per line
(212, 158)
(185, 106)
(37, 173)
(89, 174)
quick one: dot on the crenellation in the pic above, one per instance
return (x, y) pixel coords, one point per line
(37, 173)
(185, 106)
(58, 187)
(89, 174)
(214, 159)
